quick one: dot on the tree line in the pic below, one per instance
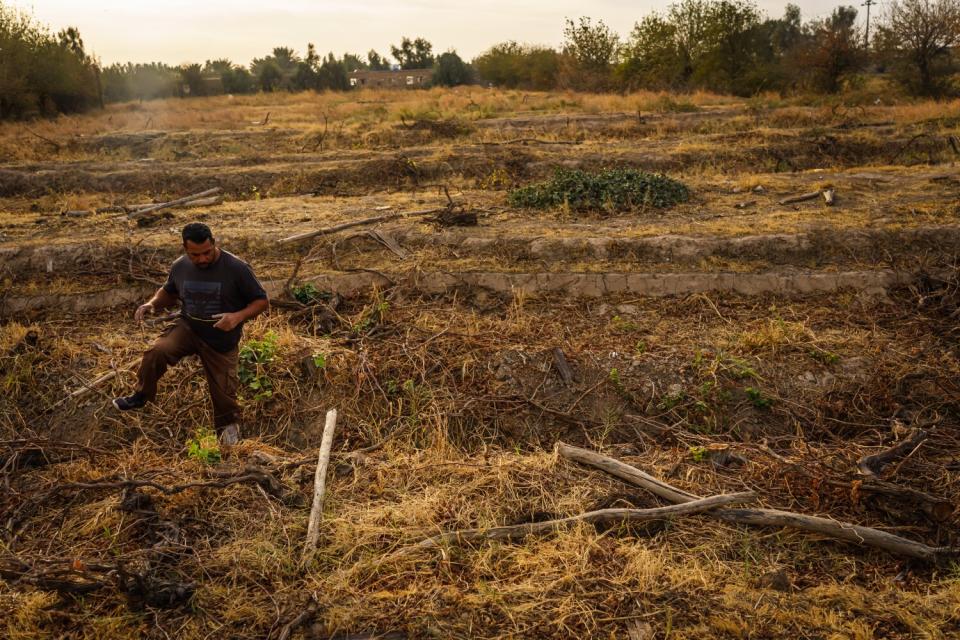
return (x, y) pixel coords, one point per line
(726, 46)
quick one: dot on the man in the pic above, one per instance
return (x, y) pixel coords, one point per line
(218, 292)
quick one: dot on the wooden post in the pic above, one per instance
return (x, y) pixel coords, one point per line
(319, 486)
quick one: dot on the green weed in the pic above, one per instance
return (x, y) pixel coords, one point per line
(826, 357)
(204, 447)
(308, 293)
(254, 360)
(757, 398)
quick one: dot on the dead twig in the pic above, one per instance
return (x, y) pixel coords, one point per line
(813, 195)
(56, 145)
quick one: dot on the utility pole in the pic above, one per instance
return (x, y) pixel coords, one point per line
(868, 4)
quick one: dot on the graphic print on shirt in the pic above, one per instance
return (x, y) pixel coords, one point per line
(201, 299)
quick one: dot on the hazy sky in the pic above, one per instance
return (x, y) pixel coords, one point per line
(177, 31)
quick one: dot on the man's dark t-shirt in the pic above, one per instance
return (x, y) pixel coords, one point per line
(225, 286)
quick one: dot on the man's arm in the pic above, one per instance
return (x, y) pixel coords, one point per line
(229, 321)
(160, 300)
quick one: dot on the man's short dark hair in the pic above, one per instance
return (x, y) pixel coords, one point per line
(197, 232)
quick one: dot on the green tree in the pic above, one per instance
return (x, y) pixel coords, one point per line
(652, 57)
(353, 62)
(191, 78)
(512, 65)
(268, 75)
(376, 62)
(690, 19)
(832, 50)
(43, 74)
(413, 54)
(332, 75)
(305, 76)
(591, 50)
(450, 70)
(729, 37)
(918, 38)
(234, 79)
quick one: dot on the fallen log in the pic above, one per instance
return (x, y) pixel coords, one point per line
(601, 516)
(357, 223)
(139, 213)
(319, 485)
(530, 141)
(873, 464)
(199, 202)
(848, 532)
(803, 197)
(828, 197)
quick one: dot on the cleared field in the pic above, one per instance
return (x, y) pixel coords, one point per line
(734, 342)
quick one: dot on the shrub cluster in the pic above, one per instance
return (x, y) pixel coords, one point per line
(608, 191)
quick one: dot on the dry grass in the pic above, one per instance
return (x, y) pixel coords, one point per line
(457, 394)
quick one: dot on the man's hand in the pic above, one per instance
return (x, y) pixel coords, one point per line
(228, 321)
(143, 310)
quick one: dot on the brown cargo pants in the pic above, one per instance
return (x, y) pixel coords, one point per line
(180, 341)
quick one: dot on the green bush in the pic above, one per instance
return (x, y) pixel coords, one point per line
(609, 191)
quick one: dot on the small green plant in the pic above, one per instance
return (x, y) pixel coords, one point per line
(622, 325)
(609, 191)
(204, 447)
(254, 360)
(640, 348)
(372, 316)
(319, 360)
(826, 357)
(614, 377)
(757, 398)
(699, 454)
(741, 368)
(671, 400)
(308, 293)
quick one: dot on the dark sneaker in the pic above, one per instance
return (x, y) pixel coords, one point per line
(136, 401)
(230, 435)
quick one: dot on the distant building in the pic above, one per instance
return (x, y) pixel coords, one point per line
(211, 85)
(393, 79)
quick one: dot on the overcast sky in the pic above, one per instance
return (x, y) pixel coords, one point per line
(178, 31)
